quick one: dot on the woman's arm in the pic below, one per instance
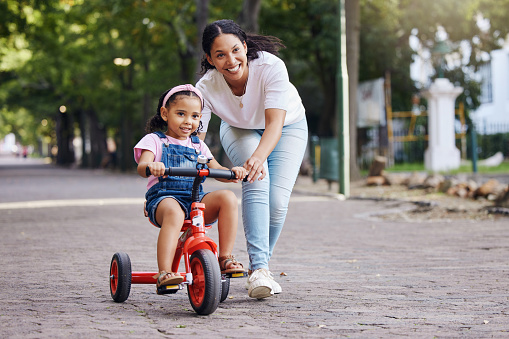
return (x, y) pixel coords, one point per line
(274, 121)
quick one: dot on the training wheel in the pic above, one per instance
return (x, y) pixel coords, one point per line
(225, 288)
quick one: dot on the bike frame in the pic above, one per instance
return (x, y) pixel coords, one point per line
(193, 237)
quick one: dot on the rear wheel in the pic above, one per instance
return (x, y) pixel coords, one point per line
(205, 291)
(120, 277)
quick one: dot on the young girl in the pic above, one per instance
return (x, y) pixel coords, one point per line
(169, 198)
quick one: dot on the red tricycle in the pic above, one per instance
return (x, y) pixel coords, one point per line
(206, 286)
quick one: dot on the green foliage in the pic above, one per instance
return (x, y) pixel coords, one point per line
(385, 48)
(61, 52)
(309, 30)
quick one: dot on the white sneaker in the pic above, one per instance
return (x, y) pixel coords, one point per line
(276, 288)
(259, 284)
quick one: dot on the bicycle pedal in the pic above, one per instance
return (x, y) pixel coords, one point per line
(236, 275)
(169, 289)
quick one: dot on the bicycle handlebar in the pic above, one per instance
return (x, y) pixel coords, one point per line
(193, 172)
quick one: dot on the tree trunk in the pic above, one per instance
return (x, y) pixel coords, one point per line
(202, 15)
(65, 136)
(352, 12)
(99, 156)
(248, 18)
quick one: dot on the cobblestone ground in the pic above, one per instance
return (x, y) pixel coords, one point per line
(347, 272)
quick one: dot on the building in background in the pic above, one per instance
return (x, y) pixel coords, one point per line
(493, 114)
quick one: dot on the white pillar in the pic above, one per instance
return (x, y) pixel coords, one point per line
(441, 154)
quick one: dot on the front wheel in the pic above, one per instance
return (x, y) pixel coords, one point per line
(120, 277)
(204, 292)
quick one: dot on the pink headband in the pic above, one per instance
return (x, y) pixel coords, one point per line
(182, 88)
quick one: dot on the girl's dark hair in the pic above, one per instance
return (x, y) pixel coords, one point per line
(156, 123)
(255, 43)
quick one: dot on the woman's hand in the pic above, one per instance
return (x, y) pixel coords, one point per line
(274, 121)
(254, 166)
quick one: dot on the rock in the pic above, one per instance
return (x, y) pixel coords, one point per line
(396, 178)
(447, 184)
(416, 180)
(433, 181)
(377, 167)
(376, 181)
(503, 199)
(491, 186)
(472, 187)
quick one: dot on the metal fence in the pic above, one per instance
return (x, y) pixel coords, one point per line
(491, 139)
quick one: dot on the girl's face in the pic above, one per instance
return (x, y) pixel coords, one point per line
(183, 116)
(229, 56)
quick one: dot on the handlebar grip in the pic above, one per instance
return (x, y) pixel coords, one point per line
(221, 174)
(181, 172)
(193, 172)
(177, 171)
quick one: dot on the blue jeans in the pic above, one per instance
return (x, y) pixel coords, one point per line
(265, 202)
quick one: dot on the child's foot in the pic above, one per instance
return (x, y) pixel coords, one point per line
(228, 264)
(165, 279)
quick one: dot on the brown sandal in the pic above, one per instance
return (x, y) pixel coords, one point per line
(170, 280)
(227, 261)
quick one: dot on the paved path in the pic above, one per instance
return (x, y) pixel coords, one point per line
(347, 273)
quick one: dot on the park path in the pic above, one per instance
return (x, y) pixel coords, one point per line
(346, 273)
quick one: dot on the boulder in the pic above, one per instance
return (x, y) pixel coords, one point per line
(376, 181)
(433, 181)
(378, 166)
(447, 184)
(503, 199)
(490, 187)
(416, 180)
(396, 178)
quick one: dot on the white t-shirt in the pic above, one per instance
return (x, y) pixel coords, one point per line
(154, 144)
(268, 86)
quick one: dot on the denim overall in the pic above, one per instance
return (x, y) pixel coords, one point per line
(178, 188)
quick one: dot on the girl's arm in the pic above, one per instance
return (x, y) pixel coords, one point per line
(240, 172)
(147, 159)
(274, 121)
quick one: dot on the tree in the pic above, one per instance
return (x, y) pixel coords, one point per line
(352, 13)
(248, 18)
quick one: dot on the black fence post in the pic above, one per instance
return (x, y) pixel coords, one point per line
(473, 137)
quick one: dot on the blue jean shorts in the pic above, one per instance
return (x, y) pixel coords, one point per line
(184, 201)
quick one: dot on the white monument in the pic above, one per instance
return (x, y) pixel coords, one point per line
(441, 154)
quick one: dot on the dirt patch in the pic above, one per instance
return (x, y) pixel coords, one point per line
(426, 204)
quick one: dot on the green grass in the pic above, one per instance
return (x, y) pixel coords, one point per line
(466, 167)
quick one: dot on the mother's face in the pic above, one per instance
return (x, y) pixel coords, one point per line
(229, 56)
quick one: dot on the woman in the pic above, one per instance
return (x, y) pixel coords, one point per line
(263, 129)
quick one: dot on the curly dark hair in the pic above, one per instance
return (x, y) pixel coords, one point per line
(156, 123)
(255, 43)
